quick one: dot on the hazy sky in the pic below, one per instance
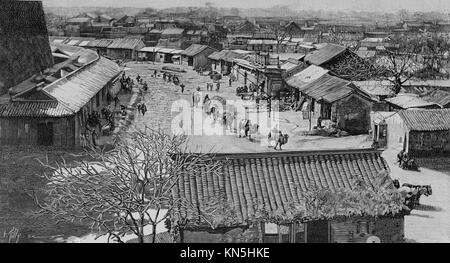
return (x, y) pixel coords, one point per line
(358, 5)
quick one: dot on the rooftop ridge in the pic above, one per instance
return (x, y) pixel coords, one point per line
(288, 153)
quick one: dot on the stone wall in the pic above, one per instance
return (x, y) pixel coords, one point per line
(24, 44)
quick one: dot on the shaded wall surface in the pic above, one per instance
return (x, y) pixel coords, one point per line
(24, 44)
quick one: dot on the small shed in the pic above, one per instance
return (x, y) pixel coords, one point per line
(196, 56)
(125, 48)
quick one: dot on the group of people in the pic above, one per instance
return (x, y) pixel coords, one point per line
(142, 108)
(210, 86)
(126, 83)
(405, 161)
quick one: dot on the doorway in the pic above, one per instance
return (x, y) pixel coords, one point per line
(318, 232)
(45, 133)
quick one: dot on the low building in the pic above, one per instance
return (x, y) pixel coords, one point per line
(99, 45)
(264, 42)
(197, 56)
(420, 132)
(222, 61)
(125, 48)
(263, 198)
(52, 109)
(75, 25)
(332, 98)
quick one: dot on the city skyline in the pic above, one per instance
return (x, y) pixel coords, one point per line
(328, 5)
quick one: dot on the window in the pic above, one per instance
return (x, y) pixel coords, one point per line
(288, 233)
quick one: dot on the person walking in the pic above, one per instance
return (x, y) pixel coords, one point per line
(217, 86)
(94, 136)
(230, 81)
(182, 88)
(143, 109)
(116, 101)
(279, 140)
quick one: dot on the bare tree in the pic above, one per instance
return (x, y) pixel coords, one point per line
(125, 189)
(434, 51)
(282, 34)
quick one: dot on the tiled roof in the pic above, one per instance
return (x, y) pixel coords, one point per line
(408, 101)
(324, 54)
(305, 76)
(67, 95)
(426, 120)
(193, 50)
(375, 87)
(251, 181)
(437, 96)
(76, 90)
(34, 109)
(286, 56)
(79, 20)
(173, 31)
(262, 42)
(161, 238)
(102, 43)
(126, 43)
(328, 88)
(226, 55)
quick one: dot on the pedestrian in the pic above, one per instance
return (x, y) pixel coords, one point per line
(279, 140)
(217, 86)
(182, 88)
(116, 101)
(143, 109)
(156, 73)
(83, 139)
(230, 81)
(247, 127)
(94, 135)
(139, 106)
(145, 87)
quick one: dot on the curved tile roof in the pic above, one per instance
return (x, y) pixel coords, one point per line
(250, 181)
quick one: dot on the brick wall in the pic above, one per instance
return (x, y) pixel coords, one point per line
(24, 44)
(425, 143)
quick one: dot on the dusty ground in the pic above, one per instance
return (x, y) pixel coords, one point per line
(430, 222)
(161, 98)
